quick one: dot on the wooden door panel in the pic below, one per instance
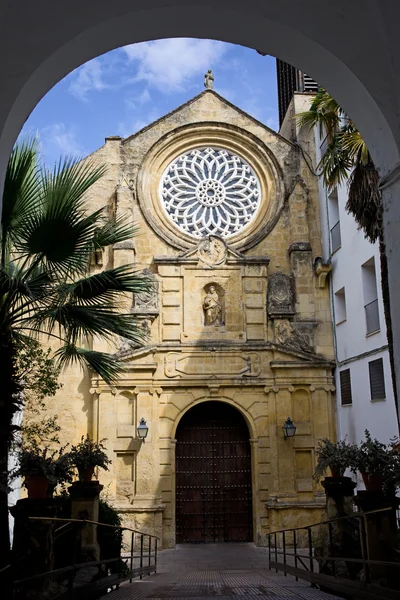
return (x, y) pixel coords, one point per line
(213, 476)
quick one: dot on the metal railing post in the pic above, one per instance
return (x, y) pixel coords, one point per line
(269, 551)
(132, 547)
(284, 551)
(310, 549)
(141, 555)
(149, 555)
(295, 550)
(276, 551)
(155, 555)
(364, 548)
(331, 547)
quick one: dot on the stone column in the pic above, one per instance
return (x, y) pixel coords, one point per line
(85, 505)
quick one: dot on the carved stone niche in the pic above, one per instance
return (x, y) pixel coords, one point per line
(280, 296)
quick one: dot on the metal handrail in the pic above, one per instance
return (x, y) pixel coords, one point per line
(145, 555)
(65, 520)
(331, 579)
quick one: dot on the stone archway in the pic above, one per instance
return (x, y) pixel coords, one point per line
(213, 476)
(351, 49)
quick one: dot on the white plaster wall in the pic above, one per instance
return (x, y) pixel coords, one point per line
(351, 341)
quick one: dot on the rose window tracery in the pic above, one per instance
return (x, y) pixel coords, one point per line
(210, 191)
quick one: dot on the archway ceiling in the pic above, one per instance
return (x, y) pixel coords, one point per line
(351, 48)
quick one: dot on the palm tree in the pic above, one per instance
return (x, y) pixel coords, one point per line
(46, 241)
(346, 158)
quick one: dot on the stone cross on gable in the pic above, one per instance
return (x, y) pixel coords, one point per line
(209, 80)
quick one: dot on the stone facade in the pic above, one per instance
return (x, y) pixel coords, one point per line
(239, 319)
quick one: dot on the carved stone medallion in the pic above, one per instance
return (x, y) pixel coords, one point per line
(212, 251)
(280, 299)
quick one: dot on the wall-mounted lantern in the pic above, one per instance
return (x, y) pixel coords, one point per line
(289, 428)
(142, 430)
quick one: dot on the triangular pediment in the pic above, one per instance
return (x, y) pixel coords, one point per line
(206, 103)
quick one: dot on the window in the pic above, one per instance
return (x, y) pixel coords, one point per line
(340, 306)
(334, 221)
(370, 293)
(345, 387)
(377, 379)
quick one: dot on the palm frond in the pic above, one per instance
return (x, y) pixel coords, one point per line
(21, 191)
(102, 286)
(76, 322)
(60, 231)
(105, 365)
(324, 112)
(335, 164)
(353, 143)
(113, 231)
(364, 200)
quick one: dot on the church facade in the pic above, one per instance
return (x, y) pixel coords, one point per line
(239, 333)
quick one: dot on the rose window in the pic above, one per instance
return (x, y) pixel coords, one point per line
(210, 190)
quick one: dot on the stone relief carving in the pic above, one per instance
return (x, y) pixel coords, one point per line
(219, 364)
(287, 336)
(212, 308)
(147, 302)
(280, 297)
(212, 251)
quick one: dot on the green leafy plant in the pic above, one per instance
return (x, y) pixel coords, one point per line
(336, 456)
(378, 464)
(89, 454)
(54, 465)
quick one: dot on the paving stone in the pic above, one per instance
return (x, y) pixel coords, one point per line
(220, 571)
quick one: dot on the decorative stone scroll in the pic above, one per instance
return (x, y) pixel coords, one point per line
(280, 297)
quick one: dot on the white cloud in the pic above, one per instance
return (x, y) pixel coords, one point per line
(135, 100)
(90, 77)
(169, 64)
(57, 138)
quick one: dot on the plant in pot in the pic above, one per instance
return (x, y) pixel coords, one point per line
(62, 470)
(87, 455)
(377, 464)
(336, 456)
(36, 467)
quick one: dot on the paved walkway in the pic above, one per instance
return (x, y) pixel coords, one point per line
(196, 572)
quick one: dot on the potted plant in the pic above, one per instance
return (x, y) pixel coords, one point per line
(36, 466)
(336, 456)
(87, 455)
(377, 464)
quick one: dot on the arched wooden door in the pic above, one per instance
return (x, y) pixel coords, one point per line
(213, 476)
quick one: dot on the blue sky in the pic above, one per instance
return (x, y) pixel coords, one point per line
(120, 92)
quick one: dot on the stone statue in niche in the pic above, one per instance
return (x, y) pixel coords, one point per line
(212, 307)
(280, 298)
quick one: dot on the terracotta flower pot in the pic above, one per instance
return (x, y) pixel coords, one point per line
(373, 482)
(86, 474)
(37, 486)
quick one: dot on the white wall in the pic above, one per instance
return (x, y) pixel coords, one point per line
(354, 348)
